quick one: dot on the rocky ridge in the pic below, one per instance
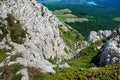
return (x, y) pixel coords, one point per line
(95, 36)
(42, 39)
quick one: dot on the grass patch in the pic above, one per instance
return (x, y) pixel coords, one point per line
(3, 54)
(71, 38)
(53, 61)
(66, 50)
(117, 19)
(86, 55)
(17, 34)
(109, 72)
(65, 15)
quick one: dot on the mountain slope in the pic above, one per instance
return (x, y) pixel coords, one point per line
(42, 34)
(32, 36)
(32, 41)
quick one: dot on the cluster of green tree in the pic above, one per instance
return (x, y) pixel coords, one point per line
(99, 18)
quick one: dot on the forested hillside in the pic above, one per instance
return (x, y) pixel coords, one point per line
(99, 18)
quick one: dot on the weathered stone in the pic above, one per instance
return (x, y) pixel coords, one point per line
(95, 36)
(43, 40)
(110, 53)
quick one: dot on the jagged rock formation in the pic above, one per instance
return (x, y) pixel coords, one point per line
(110, 51)
(40, 38)
(95, 36)
(33, 37)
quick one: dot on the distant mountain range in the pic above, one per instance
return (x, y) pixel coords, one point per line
(103, 3)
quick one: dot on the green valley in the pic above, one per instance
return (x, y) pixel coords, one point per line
(86, 18)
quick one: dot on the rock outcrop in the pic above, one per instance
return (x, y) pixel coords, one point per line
(95, 36)
(110, 51)
(41, 41)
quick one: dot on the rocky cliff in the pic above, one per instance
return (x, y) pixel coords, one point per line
(30, 29)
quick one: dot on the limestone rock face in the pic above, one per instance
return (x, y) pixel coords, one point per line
(95, 36)
(110, 51)
(43, 40)
(110, 54)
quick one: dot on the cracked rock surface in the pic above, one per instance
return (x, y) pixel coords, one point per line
(43, 40)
